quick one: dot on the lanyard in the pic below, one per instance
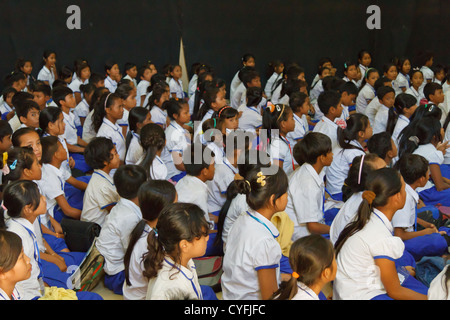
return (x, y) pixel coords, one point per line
(115, 129)
(199, 294)
(290, 150)
(183, 131)
(258, 220)
(95, 172)
(382, 221)
(37, 255)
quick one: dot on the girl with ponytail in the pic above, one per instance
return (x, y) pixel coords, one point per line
(153, 140)
(366, 249)
(137, 119)
(180, 235)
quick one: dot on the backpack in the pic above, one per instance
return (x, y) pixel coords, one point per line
(209, 271)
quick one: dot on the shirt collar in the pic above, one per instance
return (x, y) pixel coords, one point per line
(413, 193)
(263, 220)
(130, 204)
(328, 121)
(317, 178)
(384, 219)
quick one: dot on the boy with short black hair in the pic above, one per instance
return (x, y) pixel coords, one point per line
(329, 103)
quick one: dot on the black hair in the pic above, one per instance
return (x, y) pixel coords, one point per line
(311, 147)
(195, 164)
(26, 106)
(21, 96)
(109, 65)
(141, 71)
(248, 76)
(272, 65)
(254, 96)
(202, 85)
(176, 222)
(380, 144)
(153, 197)
(430, 89)
(96, 78)
(384, 90)
(13, 77)
(107, 100)
(412, 167)
(173, 106)
(428, 130)
(159, 89)
(10, 248)
(60, 93)
(49, 148)
(297, 100)
(47, 115)
(385, 183)
(128, 65)
(366, 76)
(357, 174)
(40, 86)
(272, 116)
(7, 91)
(87, 89)
(98, 92)
(23, 158)
(247, 57)
(5, 129)
(15, 138)
(209, 97)
(422, 111)
(97, 153)
(16, 196)
(327, 100)
(128, 179)
(224, 113)
(153, 139)
(80, 67)
(402, 101)
(355, 123)
(65, 73)
(137, 115)
(124, 90)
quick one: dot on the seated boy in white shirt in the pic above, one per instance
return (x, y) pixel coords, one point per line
(306, 192)
(28, 114)
(101, 193)
(114, 237)
(330, 104)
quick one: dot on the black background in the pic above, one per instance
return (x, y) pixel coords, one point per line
(219, 33)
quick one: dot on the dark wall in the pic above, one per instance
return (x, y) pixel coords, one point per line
(219, 33)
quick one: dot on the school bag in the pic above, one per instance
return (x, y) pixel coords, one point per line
(90, 272)
(209, 271)
(79, 235)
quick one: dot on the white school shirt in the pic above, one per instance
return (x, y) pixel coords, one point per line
(363, 74)
(141, 90)
(217, 188)
(270, 84)
(46, 75)
(139, 284)
(135, 151)
(176, 87)
(440, 286)
(5, 108)
(401, 124)
(192, 86)
(175, 283)
(300, 130)
(401, 82)
(366, 94)
(342, 120)
(51, 186)
(110, 84)
(114, 237)
(447, 138)
(280, 149)
(191, 189)
(406, 217)
(251, 246)
(306, 193)
(381, 119)
(329, 128)
(418, 94)
(346, 214)
(372, 109)
(237, 206)
(75, 85)
(358, 277)
(100, 194)
(159, 116)
(82, 109)
(219, 151)
(88, 129)
(132, 79)
(239, 96)
(316, 90)
(338, 171)
(34, 285)
(158, 171)
(70, 133)
(434, 156)
(15, 295)
(428, 75)
(251, 118)
(235, 82)
(445, 87)
(124, 121)
(14, 122)
(305, 293)
(198, 129)
(114, 132)
(276, 96)
(177, 140)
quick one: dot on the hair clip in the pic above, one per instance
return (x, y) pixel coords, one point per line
(5, 170)
(220, 112)
(156, 232)
(345, 65)
(295, 275)
(106, 100)
(13, 165)
(414, 139)
(360, 169)
(3, 207)
(261, 179)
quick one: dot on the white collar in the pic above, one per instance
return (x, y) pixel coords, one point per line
(384, 219)
(329, 122)
(413, 193)
(307, 290)
(264, 221)
(318, 178)
(130, 204)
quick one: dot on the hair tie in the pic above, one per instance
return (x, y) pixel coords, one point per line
(249, 185)
(156, 232)
(106, 100)
(414, 139)
(360, 169)
(369, 196)
(13, 165)
(3, 207)
(261, 179)
(295, 275)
